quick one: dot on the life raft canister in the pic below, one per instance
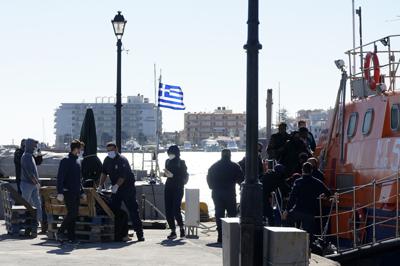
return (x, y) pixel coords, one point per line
(375, 80)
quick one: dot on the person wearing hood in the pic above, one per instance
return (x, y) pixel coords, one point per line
(69, 189)
(30, 185)
(17, 162)
(222, 178)
(177, 176)
(123, 189)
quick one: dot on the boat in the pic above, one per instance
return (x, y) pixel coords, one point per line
(360, 157)
(232, 145)
(211, 145)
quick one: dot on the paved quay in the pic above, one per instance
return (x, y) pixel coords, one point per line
(156, 250)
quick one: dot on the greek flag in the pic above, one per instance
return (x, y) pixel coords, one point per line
(171, 97)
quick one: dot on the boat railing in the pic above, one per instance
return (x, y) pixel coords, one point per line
(389, 61)
(361, 226)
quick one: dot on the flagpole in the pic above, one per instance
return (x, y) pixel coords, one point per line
(157, 171)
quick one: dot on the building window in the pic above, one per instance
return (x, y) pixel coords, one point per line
(352, 126)
(367, 122)
(394, 117)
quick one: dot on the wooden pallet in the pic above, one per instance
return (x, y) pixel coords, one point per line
(90, 226)
(20, 220)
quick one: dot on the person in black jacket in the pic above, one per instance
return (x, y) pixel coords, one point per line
(242, 163)
(316, 172)
(277, 142)
(17, 162)
(69, 189)
(310, 137)
(176, 173)
(303, 200)
(271, 181)
(123, 189)
(222, 179)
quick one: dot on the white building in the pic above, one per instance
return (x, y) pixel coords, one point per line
(138, 120)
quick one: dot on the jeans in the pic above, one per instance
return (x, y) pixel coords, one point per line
(224, 201)
(173, 200)
(128, 196)
(72, 203)
(31, 194)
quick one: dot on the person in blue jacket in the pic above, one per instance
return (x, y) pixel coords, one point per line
(70, 191)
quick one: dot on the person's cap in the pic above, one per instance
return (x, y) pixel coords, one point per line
(111, 144)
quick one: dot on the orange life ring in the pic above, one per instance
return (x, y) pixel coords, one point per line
(373, 82)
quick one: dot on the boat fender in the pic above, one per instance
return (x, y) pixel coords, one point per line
(375, 80)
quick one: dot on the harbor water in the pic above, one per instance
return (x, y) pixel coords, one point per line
(197, 164)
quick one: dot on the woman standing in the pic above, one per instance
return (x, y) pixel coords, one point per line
(176, 173)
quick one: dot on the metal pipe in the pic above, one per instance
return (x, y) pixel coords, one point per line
(269, 114)
(354, 219)
(337, 223)
(374, 214)
(320, 214)
(397, 204)
(354, 36)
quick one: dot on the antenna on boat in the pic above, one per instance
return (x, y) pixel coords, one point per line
(354, 35)
(358, 12)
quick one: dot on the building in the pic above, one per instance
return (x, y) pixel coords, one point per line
(221, 122)
(138, 120)
(316, 120)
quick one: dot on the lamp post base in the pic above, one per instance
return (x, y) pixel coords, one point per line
(251, 226)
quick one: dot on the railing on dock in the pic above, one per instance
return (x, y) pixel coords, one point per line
(350, 219)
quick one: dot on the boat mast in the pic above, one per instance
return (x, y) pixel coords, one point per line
(354, 37)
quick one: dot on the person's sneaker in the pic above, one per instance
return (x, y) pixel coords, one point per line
(140, 236)
(126, 239)
(183, 234)
(172, 236)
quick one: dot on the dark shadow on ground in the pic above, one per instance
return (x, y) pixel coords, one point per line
(214, 245)
(172, 243)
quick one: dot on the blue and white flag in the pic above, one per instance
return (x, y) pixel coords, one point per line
(171, 97)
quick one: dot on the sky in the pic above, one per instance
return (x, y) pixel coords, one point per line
(54, 51)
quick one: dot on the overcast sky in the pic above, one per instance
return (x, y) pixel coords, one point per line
(54, 51)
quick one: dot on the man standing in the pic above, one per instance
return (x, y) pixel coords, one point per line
(303, 200)
(17, 162)
(310, 137)
(30, 185)
(70, 190)
(117, 168)
(277, 142)
(222, 179)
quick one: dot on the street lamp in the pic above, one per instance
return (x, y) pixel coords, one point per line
(119, 26)
(251, 236)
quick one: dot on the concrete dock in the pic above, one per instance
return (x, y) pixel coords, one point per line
(156, 250)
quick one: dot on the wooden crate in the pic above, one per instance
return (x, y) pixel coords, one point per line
(90, 226)
(20, 220)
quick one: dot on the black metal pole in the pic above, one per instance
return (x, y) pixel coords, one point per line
(118, 105)
(251, 196)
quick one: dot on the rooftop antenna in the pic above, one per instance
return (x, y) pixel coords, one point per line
(279, 102)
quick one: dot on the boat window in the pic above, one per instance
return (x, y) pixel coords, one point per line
(352, 126)
(394, 117)
(367, 123)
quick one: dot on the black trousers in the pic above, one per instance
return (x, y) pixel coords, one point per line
(304, 221)
(173, 200)
(72, 203)
(127, 195)
(224, 201)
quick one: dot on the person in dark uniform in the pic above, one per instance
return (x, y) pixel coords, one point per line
(123, 189)
(222, 178)
(176, 173)
(17, 162)
(242, 163)
(277, 143)
(69, 189)
(303, 201)
(271, 181)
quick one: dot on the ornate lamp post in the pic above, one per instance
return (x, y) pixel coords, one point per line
(119, 26)
(251, 236)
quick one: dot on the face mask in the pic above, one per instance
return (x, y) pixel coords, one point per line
(80, 154)
(112, 154)
(171, 156)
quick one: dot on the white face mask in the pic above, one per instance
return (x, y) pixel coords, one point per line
(171, 156)
(112, 154)
(80, 154)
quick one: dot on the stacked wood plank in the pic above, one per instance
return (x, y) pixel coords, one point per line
(92, 225)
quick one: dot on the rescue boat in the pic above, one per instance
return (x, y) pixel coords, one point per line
(360, 156)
